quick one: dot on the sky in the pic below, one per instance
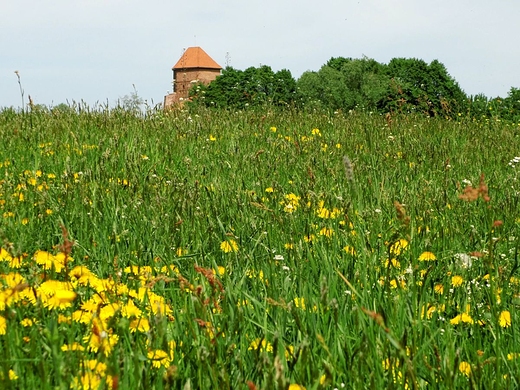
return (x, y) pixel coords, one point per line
(97, 51)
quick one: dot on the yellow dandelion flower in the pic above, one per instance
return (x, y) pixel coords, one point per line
(299, 303)
(398, 247)
(12, 375)
(221, 271)
(159, 358)
(4, 255)
(62, 298)
(456, 281)
(261, 344)
(394, 262)
(101, 340)
(139, 324)
(294, 386)
(229, 246)
(44, 258)
(464, 318)
(26, 322)
(130, 310)
(350, 250)
(439, 289)
(289, 245)
(309, 238)
(171, 346)
(3, 325)
(180, 251)
(82, 274)
(13, 280)
(269, 190)
(327, 232)
(427, 256)
(504, 320)
(465, 368)
(108, 311)
(72, 347)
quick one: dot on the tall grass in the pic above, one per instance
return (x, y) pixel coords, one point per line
(274, 249)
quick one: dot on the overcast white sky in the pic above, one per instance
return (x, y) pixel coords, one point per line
(94, 50)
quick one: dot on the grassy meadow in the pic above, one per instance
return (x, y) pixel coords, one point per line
(258, 250)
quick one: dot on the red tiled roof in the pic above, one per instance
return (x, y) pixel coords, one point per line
(195, 57)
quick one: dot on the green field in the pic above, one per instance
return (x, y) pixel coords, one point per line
(258, 249)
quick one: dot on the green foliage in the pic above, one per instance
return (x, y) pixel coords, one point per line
(507, 108)
(425, 88)
(346, 84)
(404, 85)
(252, 87)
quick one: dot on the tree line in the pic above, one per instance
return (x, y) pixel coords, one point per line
(404, 85)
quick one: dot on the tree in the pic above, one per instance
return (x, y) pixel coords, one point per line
(424, 88)
(132, 102)
(346, 83)
(251, 87)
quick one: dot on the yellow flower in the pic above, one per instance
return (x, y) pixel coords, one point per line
(456, 281)
(221, 271)
(26, 322)
(262, 344)
(309, 238)
(3, 325)
(292, 203)
(327, 232)
(82, 274)
(100, 339)
(439, 289)
(465, 368)
(139, 324)
(61, 299)
(350, 250)
(504, 320)
(316, 132)
(294, 386)
(108, 311)
(12, 375)
(398, 247)
(229, 246)
(72, 347)
(212, 138)
(159, 358)
(273, 129)
(130, 310)
(4, 255)
(427, 256)
(465, 318)
(44, 258)
(300, 303)
(289, 245)
(269, 190)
